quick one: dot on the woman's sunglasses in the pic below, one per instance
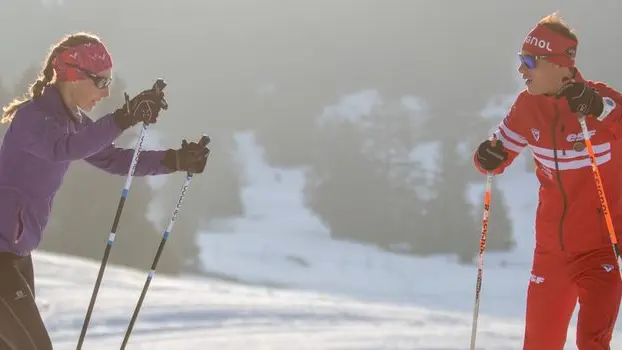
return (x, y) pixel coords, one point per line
(100, 82)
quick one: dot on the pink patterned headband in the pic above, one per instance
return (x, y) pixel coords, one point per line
(71, 63)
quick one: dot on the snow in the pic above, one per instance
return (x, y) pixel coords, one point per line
(353, 107)
(184, 313)
(413, 103)
(191, 313)
(426, 156)
(498, 105)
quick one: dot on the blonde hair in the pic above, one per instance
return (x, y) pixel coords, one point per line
(555, 23)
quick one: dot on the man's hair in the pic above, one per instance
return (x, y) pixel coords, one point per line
(555, 23)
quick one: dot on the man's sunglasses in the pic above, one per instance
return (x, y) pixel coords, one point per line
(530, 61)
(100, 82)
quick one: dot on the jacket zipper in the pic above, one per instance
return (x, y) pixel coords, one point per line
(559, 181)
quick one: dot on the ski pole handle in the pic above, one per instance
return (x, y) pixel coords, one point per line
(159, 85)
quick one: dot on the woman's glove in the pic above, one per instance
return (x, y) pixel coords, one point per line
(191, 157)
(144, 107)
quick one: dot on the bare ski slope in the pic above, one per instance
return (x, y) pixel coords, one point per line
(209, 314)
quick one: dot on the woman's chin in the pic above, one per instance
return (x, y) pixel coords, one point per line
(87, 107)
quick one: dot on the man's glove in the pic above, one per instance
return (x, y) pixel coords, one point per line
(144, 107)
(191, 157)
(491, 154)
(582, 98)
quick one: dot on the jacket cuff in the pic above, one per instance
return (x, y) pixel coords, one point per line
(171, 160)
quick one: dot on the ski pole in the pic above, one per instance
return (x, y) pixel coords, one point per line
(203, 142)
(154, 264)
(158, 86)
(480, 260)
(601, 192)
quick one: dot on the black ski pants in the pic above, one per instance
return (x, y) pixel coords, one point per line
(21, 326)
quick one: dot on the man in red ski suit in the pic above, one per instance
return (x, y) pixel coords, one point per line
(573, 258)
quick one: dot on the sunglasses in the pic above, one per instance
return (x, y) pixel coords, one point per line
(530, 61)
(100, 82)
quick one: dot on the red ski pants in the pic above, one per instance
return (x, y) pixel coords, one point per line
(557, 282)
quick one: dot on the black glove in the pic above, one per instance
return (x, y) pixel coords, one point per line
(191, 157)
(582, 98)
(144, 107)
(491, 154)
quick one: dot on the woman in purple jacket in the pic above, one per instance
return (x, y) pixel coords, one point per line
(47, 132)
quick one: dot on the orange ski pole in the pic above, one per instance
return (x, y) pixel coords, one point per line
(480, 260)
(601, 193)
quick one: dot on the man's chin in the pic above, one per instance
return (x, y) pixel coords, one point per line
(533, 90)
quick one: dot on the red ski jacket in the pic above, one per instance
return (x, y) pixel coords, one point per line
(569, 217)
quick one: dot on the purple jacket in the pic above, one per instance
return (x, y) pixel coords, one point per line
(40, 143)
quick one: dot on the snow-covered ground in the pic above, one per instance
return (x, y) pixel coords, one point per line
(185, 313)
